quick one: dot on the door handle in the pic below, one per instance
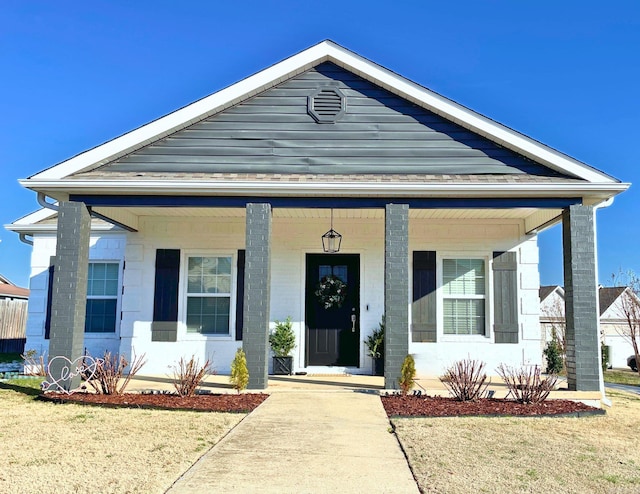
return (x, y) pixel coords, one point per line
(353, 323)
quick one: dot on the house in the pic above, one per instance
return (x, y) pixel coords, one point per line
(613, 322)
(13, 316)
(192, 234)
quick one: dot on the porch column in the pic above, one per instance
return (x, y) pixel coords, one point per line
(257, 283)
(581, 298)
(396, 291)
(69, 290)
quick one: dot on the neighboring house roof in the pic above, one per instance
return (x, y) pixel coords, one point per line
(9, 290)
(545, 291)
(608, 295)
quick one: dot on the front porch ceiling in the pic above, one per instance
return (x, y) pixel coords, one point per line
(533, 218)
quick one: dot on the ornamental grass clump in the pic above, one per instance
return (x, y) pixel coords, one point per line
(466, 379)
(239, 372)
(188, 374)
(526, 385)
(407, 375)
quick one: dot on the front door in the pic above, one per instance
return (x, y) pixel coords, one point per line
(332, 309)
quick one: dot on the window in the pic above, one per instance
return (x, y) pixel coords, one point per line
(208, 294)
(464, 288)
(102, 297)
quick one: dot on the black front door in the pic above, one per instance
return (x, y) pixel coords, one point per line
(333, 319)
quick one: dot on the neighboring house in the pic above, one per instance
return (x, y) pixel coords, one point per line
(613, 324)
(200, 229)
(13, 316)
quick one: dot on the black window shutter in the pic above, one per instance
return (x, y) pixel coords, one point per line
(47, 317)
(165, 297)
(423, 308)
(240, 296)
(505, 297)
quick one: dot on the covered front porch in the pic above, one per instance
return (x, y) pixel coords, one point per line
(276, 243)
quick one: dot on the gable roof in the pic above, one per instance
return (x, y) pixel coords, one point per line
(326, 51)
(608, 295)
(545, 291)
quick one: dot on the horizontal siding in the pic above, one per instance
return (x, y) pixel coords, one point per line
(379, 133)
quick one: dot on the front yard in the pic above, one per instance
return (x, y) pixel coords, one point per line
(622, 376)
(506, 455)
(74, 448)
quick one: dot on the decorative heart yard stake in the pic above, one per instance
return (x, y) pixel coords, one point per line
(84, 366)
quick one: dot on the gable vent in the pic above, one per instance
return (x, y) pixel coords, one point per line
(326, 105)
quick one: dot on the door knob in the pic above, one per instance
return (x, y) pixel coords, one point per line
(353, 323)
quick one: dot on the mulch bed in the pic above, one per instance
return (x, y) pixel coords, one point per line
(427, 406)
(236, 403)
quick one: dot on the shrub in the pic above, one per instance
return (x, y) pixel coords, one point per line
(375, 341)
(553, 354)
(239, 372)
(466, 379)
(109, 377)
(283, 339)
(34, 364)
(187, 375)
(526, 384)
(407, 374)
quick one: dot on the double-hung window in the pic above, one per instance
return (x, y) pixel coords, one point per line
(102, 297)
(209, 294)
(464, 296)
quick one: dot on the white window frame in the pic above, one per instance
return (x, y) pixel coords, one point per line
(487, 297)
(183, 333)
(118, 298)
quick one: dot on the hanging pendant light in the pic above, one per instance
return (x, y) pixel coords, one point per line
(332, 239)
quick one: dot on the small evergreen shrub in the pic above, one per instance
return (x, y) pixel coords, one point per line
(553, 354)
(466, 379)
(239, 372)
(188, 374)
(283, 339)
(407, 374)
(375, 341)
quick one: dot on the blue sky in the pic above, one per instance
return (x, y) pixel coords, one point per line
(79, 73)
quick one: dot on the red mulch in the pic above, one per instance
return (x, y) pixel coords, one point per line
(425, 406)
(243, 402)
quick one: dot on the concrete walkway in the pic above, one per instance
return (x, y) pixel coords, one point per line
(306, 442)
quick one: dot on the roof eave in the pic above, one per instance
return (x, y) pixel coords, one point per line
(54, 188)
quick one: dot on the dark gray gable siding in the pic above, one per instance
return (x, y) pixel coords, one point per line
(379, 133)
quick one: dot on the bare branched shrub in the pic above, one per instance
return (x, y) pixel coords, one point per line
(109, 377)
(526, 385)
(188, 374)
(34, 364)
(466, 379)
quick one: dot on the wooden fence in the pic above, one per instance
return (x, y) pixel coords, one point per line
(13, 324)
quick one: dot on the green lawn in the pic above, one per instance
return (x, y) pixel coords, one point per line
(618, 376)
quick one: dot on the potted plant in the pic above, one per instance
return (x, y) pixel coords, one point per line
(375, 348)
(282, 341)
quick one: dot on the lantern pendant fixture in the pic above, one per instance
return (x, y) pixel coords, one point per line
(332, 239)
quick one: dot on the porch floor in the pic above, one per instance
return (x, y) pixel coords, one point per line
(429, 385)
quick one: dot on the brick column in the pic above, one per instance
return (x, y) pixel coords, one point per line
(581, 298)
(69, 291)
(257, 282)
(396, 291)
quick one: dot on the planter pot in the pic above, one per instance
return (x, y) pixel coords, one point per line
(378, 366)
(282, 366)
